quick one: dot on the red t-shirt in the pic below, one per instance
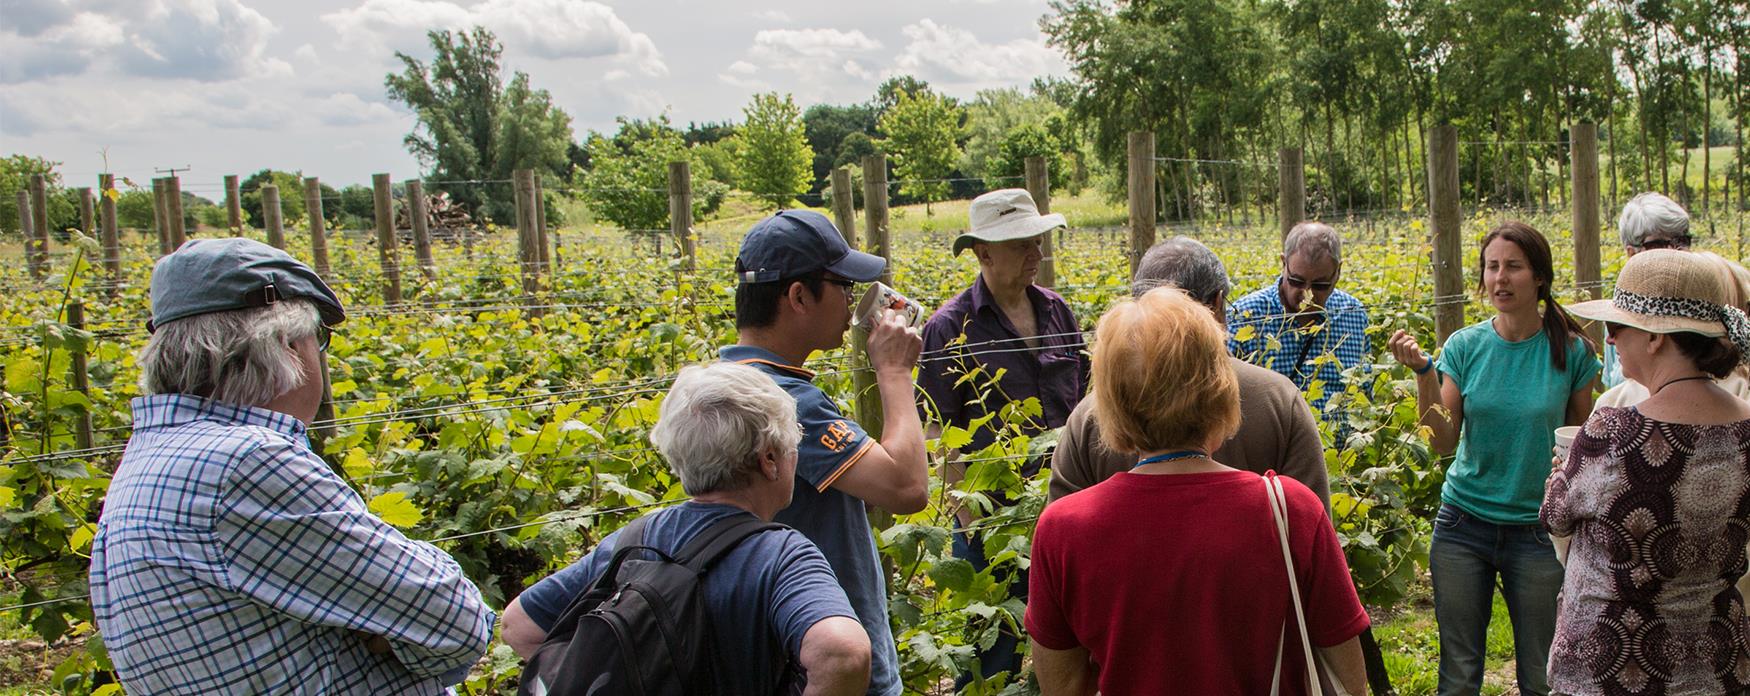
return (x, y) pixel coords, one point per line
(1175, 583)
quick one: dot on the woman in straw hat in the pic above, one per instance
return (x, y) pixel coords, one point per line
(1657, 496)
(1736, 281)
(1171, 577)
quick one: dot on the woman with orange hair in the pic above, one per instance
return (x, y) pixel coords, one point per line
(1171, 578)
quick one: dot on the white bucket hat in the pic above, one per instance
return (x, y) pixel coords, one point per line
(1670, 291)
(1004, 215)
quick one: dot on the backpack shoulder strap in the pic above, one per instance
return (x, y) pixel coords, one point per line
(704, 550)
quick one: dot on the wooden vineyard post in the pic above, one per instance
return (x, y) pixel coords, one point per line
(1142, 195)
(680, 212)
(844, 209)
(1588, 274)
(418, 216)
(1443, 219)
(28, 228)
(272, 216)
(173, 212)
(388, 248)
(318, 226)
(39, 222)
(81, 376)
(87, 213)
(1291, 194)
(868, 409)
(523, 182)
(233, 205)
(1039, 185)
(112, 246)
(545, 258)
(159, 217)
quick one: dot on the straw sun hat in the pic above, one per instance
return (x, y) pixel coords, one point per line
(1670, 291)
(1003, 215)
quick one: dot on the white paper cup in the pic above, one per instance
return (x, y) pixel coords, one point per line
(880, 297)
(1565, 439)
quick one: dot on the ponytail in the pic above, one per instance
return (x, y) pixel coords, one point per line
(1559, 326)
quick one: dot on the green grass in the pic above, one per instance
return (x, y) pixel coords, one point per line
(1410, 642)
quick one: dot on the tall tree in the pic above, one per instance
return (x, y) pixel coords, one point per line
(774, 160)
(828, 126)
(921, 134)
(471, 126)
(991, 117)
(627, 183)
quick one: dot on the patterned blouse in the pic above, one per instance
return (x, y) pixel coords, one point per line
(1660, 513)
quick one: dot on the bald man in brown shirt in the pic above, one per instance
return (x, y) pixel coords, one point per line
(1277, 430)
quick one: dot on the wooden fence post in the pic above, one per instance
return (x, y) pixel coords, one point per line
(1291, 194)
(419, 218)
(1039, 185)
(1142, 195)
(388, 247)
(318, 226)
(272, 216)
(81, 376)
(233, 205)
(87, 212)
(844, 208)
(528, 257)
(160, 218)
(173, 211)
(546, 258)
(27, 226)
(868, 408)
(39, 219)
(1444, 223)
(680, 212)
(112, 246)
(875, 212)
(1588, 273)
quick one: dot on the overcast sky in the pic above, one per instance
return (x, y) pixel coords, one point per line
(233, 86)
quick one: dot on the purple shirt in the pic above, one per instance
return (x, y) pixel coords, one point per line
(1056, 371)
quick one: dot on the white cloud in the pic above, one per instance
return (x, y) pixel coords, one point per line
(203, 40)
(306, 53)
(344, 109)
(774, 16)
(812, 56)
(948, 55)
(547, 29)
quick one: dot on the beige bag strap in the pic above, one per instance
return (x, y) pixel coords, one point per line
(1279, 512)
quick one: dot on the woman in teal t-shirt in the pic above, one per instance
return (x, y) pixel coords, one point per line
(1509, 382)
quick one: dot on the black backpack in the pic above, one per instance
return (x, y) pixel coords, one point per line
(642, 628)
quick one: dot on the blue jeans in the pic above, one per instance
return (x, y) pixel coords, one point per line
(1005, 654)
(1466, 556)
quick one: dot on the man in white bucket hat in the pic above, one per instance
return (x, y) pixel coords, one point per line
(1002, 324)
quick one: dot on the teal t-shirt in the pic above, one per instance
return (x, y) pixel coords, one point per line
(1514, 399)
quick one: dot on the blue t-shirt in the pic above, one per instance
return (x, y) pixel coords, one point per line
(834, 520)
(763, 596)
(1514, 399)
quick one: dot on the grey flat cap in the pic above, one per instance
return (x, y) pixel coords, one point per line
(216, 275)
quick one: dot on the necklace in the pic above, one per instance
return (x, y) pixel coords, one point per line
(1171, 457)
(1681, 379)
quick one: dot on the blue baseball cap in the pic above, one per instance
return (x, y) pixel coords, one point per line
(791, 243)
(216, 275)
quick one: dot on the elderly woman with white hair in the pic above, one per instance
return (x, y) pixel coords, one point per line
(1657, 496)
(730, 434)
(229, 557)
(1648, 221)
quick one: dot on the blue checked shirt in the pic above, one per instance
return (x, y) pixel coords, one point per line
(1317, 352)
(230, 559)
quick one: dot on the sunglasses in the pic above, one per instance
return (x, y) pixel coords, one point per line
(841, 282)
(324, 335)
(1678, 242)
(1303, 284)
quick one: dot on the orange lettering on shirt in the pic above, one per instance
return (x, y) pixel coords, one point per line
(837, 436)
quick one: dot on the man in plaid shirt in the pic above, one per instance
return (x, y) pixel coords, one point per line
(1303, 326)
(229, 557)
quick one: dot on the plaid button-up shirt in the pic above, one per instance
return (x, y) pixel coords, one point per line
(1317, 352)
(231, 559)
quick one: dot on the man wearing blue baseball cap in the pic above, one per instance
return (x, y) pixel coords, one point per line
(229, 557)
(794, 295)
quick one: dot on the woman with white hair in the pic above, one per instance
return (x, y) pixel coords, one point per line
(1648, 221)
(729, 433)
(1657, 497)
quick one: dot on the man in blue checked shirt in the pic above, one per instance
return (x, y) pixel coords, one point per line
(229, 557)
(1303, 326)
